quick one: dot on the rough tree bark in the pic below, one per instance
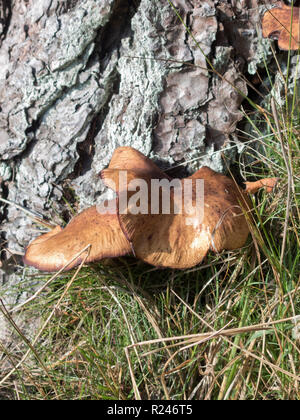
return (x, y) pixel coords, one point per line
(80, 77)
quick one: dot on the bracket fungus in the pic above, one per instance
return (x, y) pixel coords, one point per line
(162, 221)
(282, 23)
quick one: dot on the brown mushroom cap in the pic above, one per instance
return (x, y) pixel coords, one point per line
(179, 240)
(176, 240)
(127, 158)
(267, 183)
(53, 250)
(282, 23)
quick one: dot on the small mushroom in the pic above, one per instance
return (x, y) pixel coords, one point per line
(267, 183)
(178, 238)
(282, 23)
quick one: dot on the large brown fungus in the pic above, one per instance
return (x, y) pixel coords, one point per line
(176, 238)
(164, 222)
